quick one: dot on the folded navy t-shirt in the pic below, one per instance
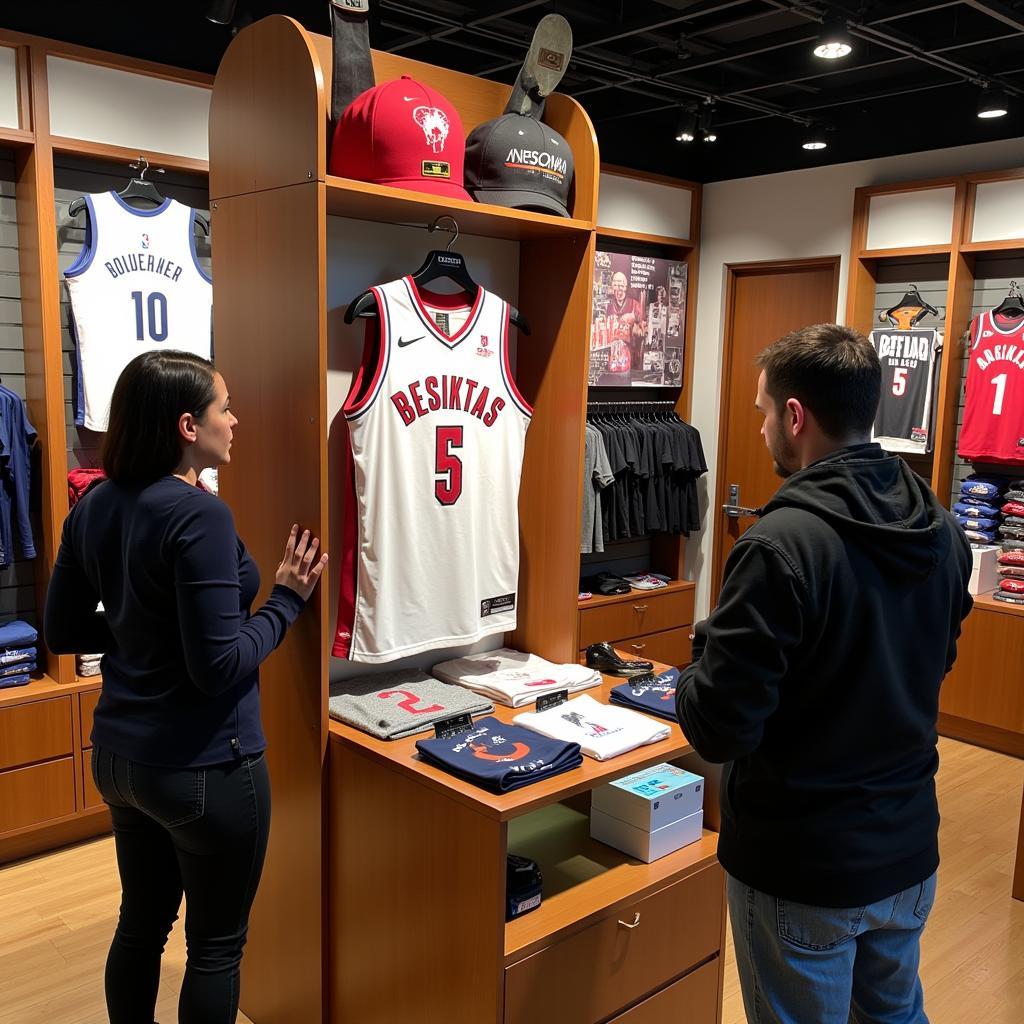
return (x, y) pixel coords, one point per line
(501, 757)
(17, 634)
(655, 695)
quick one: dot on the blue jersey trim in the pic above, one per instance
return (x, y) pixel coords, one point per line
(192, 244)
(76, 373)
(142, 213)
(89, 246)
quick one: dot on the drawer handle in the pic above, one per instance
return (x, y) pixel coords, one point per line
(638, 647)
(639, 607)
(636, 921)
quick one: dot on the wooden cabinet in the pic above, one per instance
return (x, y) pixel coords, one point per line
(87, 703)
(92, 794)
(33, 732)
(632, 952)
(650, 624)
(36, 794)
(693, 998)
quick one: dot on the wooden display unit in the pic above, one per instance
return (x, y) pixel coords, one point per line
(352, 816)
(981, 702)
(47, 798)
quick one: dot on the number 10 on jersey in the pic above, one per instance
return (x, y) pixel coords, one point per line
(150, 316)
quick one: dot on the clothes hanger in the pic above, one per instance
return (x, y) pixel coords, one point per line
(1012, 305)
(912, 299)
(438, 264)
(139, 188)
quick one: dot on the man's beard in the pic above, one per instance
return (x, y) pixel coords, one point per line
(784, 460)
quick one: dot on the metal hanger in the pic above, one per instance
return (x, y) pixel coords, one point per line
(438, 263)
(912, 299)
(1013, 304)
(139, 188)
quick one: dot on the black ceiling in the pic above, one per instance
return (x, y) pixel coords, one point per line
(912, 82)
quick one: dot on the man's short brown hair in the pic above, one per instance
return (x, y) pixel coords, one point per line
(832, 370)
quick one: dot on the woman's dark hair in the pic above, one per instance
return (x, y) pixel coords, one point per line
(142, 442)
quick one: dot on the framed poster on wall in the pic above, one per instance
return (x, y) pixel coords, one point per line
(639, 316)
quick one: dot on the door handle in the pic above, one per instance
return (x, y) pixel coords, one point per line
(733, 509)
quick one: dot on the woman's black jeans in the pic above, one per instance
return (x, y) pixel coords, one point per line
(201, 831)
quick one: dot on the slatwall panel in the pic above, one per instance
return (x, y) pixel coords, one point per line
(73, 177)
(17, 588)
(619, 557)
(992, 276)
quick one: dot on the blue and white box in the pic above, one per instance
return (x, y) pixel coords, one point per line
(652, 798)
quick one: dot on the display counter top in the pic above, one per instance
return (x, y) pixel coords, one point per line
(401, 756)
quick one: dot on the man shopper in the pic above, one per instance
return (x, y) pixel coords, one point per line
(817, 677)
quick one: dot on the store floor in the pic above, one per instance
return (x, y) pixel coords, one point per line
(57, 913)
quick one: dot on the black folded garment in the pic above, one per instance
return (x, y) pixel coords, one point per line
(605, 583)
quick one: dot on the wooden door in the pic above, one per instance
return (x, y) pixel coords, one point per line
(764, 301)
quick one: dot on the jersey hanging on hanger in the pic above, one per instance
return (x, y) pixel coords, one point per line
(437, 430)
(906, 407)
(993, 427)
(136, 285)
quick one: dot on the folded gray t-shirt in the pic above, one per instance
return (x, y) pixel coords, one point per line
(393, 705)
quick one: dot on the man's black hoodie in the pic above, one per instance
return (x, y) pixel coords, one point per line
(818, 677)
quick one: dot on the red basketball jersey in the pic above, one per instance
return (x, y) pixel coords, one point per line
(993, 429)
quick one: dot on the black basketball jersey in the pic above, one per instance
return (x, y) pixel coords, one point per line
(910, 360)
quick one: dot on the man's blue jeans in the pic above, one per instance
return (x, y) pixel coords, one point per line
(818, 965)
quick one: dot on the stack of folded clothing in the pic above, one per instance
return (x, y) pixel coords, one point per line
(656, 695)
(1011, 591)
(513, 678)
(87, 664)
(500, 757)
(978, 507)
(394, 705)
(602, 731)
(17, 654)
(1011, 529)
(1011, 577)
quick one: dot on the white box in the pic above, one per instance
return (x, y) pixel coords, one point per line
(652, 798)
(640, 843)
(985, 574)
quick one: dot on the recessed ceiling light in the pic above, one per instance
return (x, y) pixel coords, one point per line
(834, 41)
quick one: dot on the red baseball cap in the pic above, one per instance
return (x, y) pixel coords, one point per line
(402, 133)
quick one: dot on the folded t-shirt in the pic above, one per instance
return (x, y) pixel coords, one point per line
(980, 488)
(1011, 571)
(654, 694)
(981, 536)
(1008, 544)
(500, 757)
(1015, 495)
(513, 678)
(1013, 532)
(976, 507)
(23, 679)
(970, 523)
(1013, 520)
(20, 668)
(1017, 599)
(397, 704)
(13, 655)
(1012, 586)
(1013, 508)
(17, 634)
(602, 731)
(1011, 558)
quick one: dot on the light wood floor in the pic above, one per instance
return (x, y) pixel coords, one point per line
(57, 913)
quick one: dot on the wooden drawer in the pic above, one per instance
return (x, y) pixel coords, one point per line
(691, 1000)
(589, 976)
(643, 613)
(92, 794)
(33, 732)
(88, 705)
(29, 796)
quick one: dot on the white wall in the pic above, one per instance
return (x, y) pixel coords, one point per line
(786, 216)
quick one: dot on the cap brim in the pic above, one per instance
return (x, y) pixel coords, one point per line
(446, 189)
(520, 199)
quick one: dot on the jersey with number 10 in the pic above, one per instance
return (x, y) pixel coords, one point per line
(437, 431)
(993, 427)
(136, 285)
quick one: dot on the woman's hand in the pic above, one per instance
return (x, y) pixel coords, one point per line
(298, 571)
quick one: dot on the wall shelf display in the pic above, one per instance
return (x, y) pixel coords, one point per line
(962, 240)
(292, 247)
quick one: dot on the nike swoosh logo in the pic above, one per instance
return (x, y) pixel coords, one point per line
(402, 342)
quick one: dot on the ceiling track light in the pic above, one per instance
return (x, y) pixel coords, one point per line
(835, 41)
(994, 102)
(814, 138)
(704, 130)
(221, 12)
(686, 130)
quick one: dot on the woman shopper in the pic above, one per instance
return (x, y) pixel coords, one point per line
(177, 740)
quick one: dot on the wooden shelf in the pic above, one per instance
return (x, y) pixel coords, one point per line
(638, 236)
(910, 250)
(362, 200)
(16, 137)
(44, 687)
(583, 877)
(401, 756)
(124, 154)
(996, 247)
(986, 602)
(601, 600)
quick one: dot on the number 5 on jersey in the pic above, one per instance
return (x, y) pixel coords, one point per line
(447, 466)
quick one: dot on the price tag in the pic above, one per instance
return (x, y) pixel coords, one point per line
(449, 727)
(552, 700)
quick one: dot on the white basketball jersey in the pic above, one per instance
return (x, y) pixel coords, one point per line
(437, 430)
(136, 285)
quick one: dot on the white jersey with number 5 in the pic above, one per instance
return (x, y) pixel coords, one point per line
(136, 285)
(437, 430)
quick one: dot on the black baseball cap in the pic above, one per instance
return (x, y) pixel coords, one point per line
(518, 162)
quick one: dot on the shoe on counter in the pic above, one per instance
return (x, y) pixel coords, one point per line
(603, 657)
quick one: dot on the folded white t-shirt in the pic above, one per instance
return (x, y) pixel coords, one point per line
(603, 731)
(513, 678)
